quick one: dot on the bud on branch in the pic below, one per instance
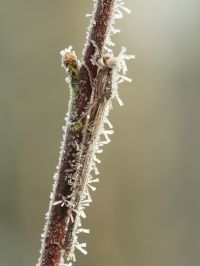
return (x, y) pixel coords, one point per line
(93, 84)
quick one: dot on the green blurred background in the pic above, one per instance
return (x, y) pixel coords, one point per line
(146, 207)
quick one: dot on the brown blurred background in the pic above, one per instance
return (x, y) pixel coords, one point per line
(146, 209)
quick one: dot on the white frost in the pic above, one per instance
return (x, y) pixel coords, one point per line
(118, 76)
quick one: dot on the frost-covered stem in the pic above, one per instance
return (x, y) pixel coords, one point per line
(81, 131)
(96, 39)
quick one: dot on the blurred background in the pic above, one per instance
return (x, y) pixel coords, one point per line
(146, 210)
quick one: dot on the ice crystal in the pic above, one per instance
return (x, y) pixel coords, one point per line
(119, 69)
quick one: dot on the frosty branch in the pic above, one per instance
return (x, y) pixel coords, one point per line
(93, 84)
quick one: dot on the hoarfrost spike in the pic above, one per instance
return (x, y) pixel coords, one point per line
(93, 180)
(108, 123)
(82, 247)
(91, 187)
(82, 230)
(83, 159)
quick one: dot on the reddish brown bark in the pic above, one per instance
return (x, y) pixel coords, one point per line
(58, 233)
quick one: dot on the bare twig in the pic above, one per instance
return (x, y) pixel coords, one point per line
(93, 86)
(77, 147)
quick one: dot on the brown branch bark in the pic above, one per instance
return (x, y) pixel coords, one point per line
(78, 143)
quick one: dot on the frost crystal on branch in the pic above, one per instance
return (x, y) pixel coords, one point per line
(119, 69)
(93, 85)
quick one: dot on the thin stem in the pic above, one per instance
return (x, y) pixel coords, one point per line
(84, 119)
